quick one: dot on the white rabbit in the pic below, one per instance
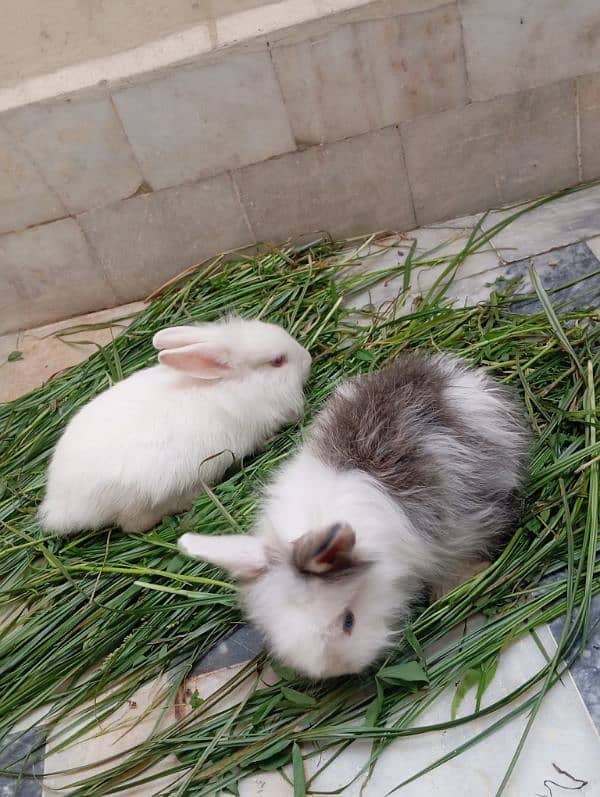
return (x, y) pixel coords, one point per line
(409, 479)
(144, 447)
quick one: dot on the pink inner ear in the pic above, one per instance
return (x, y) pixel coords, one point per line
(340, 546)
(330, 549)
(198, 360)
(175, 337)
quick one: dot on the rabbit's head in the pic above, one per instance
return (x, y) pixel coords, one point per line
(322, 609)
(326, 594)
(261, 359)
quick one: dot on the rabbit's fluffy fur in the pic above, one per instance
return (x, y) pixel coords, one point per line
(145, 447)
(409, 479)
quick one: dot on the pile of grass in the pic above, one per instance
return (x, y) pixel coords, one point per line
(90, 620)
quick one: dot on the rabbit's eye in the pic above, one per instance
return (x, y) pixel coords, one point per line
(348, 622)
(279, 361)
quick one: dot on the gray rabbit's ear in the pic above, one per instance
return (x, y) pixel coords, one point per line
(329, 550)
(243, 556)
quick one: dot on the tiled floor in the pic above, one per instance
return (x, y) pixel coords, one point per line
(563, 239)
(44, 351)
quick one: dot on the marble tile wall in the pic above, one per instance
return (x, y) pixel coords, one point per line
(386, 113)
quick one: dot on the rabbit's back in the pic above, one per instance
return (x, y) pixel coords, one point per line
(443, 439)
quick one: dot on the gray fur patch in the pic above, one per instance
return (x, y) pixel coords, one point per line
(460, 485)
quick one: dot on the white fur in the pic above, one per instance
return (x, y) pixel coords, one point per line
(139, 450)
(305, 495)
(301, 614)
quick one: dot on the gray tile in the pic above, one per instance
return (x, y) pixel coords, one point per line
(570, 219)
(23, 754)
(588, 90)
(49, 272)
(25, 197)
(491, 153)
(144, 241)
(371, 74)
(594, 245)
(240, 646)
(201, 120)
(558, 268)
(80, 148)
(586, 668)
(351, 187)
(516, 44)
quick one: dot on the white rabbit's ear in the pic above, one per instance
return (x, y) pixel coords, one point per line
(202, 360)
(242, 556)
(175, 337)
(325, 551)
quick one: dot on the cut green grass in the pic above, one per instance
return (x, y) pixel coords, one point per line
(88, 621)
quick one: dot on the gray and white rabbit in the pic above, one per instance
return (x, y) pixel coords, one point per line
(409, 478)
(145, 447)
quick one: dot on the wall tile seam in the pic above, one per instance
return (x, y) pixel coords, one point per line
(333, 25)
(218, 170)
(411, 195)
(399, 127)
(489, 100)
(138, 192)
(132, 152)
(299, 148)
(240, 201)
(579, 76)
(464, 51)
(252, 43)
(26, 155)
(221, 51)
(93, 93)
(97, 260)
(579, 153)
(326, 18)
(282, 98)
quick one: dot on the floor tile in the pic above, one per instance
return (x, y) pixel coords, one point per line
(594, 245)
(555, 268)
(43, 354)
(462, 222)
(439, 242)
(558, 268)
(432, 243)
(21, 753)
(242, 645)
(8, 344)
(586, 669)
(561, 735)
(129, 725)
(564, 221)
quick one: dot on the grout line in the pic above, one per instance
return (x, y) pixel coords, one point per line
(26, 155)
(408, 182)
(578, 132)
(464, 52)
(569, 675)
(242, 206)
(132, 151)
(98, 261)
(282, 98)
